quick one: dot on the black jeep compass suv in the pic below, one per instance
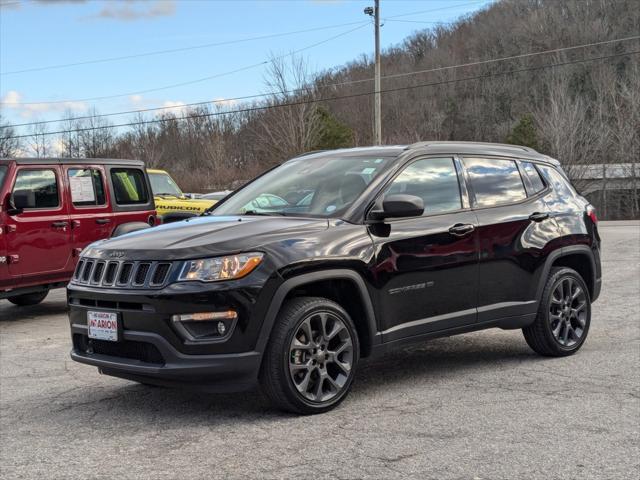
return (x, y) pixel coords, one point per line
(335, 256)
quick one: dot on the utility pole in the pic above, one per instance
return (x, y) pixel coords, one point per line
(377, 103)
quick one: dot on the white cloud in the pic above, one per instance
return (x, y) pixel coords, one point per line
(223, 102)
(175, 107)
(132, 10)
(13, 100)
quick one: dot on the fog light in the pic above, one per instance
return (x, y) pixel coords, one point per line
(203, 326)
(221, 329)
(205, 316)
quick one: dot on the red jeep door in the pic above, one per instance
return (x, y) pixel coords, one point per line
(89, 209)
(38, 240)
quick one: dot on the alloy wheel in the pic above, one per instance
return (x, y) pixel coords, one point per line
(568, 312)
(321, 356)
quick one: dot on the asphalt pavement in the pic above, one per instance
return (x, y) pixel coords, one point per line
(476, 406)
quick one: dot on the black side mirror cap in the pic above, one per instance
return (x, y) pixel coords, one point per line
(398, 206)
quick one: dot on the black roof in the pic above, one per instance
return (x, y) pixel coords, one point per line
(75, 161)
(445, 147)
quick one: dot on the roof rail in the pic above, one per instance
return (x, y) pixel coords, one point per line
(505, 146)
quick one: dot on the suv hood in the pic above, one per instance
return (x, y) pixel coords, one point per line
(204, 236)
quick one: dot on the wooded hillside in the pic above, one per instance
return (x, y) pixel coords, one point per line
(579, 112)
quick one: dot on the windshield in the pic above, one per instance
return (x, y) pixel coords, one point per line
(323, 186)
(163, 184)
(3, 172)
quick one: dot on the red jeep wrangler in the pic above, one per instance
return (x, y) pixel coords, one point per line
(50, 209)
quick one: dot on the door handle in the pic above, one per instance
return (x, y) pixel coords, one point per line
(538, 216)
(102, 221)
(461, 229)
(60, 224)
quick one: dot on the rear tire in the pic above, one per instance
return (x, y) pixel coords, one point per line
(28, 299)
(564, 315)
(311, 357)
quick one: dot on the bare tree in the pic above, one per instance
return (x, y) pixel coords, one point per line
(39, 141)
(9, 144)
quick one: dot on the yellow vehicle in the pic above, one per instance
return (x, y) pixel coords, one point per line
(171, 204)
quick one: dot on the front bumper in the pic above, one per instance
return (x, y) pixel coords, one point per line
(152, 350)
(153, 360)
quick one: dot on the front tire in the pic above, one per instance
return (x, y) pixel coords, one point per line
(311, 358)
(564, 315)
(28, 299)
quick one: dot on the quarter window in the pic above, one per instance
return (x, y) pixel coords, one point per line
(87, 187)
(495, 181)
(129, 186)
(435, 180)
(532, 174)
(41, 184)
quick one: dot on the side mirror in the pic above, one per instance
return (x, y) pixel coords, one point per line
(398, 206)
(21, 199)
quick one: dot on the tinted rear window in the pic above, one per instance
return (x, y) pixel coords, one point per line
(3, 172)
(129, 186)
(532, 174)
(495, 181)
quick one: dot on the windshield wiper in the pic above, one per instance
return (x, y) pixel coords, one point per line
(264, 214)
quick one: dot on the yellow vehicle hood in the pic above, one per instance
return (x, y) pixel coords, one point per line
(170, 204)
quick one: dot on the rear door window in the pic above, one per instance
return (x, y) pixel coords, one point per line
(494, 181)
(42, 184)
(129, 186)
(535, 183)
(435, 180)
(87, 187)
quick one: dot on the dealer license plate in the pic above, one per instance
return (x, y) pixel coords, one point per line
(103, 326)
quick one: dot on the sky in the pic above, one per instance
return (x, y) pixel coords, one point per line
(45, 33)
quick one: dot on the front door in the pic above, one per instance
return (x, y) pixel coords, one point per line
(426, 268)
(39, 239)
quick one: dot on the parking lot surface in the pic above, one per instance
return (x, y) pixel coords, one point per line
(476, 406)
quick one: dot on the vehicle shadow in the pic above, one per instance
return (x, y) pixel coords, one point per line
(13, 313)
(398, 371)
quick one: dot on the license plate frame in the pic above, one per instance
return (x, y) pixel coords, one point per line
(100, 326)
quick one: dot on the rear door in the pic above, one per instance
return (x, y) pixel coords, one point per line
(39, 239)
(427, 267)
(89, 209)
(515, 230)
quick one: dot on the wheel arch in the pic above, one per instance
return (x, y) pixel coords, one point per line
(330, 284)
(579, 258)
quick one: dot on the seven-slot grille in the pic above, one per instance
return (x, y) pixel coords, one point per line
(121, 273)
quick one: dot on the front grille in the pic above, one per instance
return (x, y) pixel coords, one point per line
(122, 274)
(97, 272)
(160, 275)
(110, 276)
(129, 349)
(86, 273)
(125, 273)
(141, 274)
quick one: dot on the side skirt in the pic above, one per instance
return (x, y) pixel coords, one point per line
(506, 323)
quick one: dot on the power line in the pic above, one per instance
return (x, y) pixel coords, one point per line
(411, 14)
(338, 84)
(343, 97)
(199, 80)
(175, 50)
(201, 46)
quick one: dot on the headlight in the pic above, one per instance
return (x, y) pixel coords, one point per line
(220, 268)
